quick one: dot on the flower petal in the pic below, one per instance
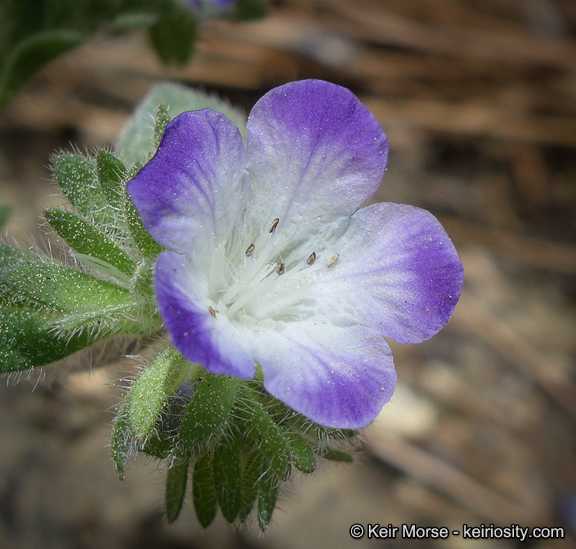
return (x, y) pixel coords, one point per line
(200, 335)
(190, 193)
(337, 377)
(397, 270)
(315, 155)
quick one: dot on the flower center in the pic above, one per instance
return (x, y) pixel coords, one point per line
(259, 288)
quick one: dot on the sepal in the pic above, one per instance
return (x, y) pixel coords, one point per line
(208, 413)
(149, 395)
(301, 454)
(176, 481)
(122, 440)
(267, 436)
(253, 467)
(268, 488)
(161, 120)
(240, 442)
(204, 491)
(228, 478)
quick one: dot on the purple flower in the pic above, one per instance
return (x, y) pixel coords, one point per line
(272, 258)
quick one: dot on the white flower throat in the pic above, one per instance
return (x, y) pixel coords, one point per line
(251, 284)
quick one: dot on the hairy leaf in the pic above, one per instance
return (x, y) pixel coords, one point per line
(269, 487)
(227, 478)
(78, 180)
(89, 241)
(253, 468)
(152, 389)
(122, 440)
(301, 453)
(209, 410)
(269, 437)
(111, 176)
(204, 491)
(176, 481)
(27, 340)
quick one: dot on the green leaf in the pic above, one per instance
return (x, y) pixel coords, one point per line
(50, 311)
(208, 411)
(78, 298)
(252, 470)
(269, 437)
(248, 10)
(173, 34)
(28, 277)
(5, 211)
(301, 454)
(176, 481)
(137, 141)
(141, 236)
(157, 446)
(161, 120)
(122, 438)
(89, 241)
(204, 491)
(227, 478)
(111, 176)
(27, 339)
(337, 455)
(31, 54)
(267, 496)
(151, 391)
(78, 180)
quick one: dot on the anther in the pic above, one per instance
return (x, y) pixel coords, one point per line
(274, 224)
(332, 260)
(212, 311)
(250, 250)
(281, 269)
(311, 259)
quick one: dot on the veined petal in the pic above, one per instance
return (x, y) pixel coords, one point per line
(200, 333)
(190, 193)
(397, 270)
(336, 376)
(315, 155)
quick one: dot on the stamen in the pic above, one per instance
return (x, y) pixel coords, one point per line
(281, 269)
(274, 224)
(212, 311)
(311, 259)
(250, 250)
(332, 260)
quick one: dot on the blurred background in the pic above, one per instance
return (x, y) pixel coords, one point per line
(478, 99)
